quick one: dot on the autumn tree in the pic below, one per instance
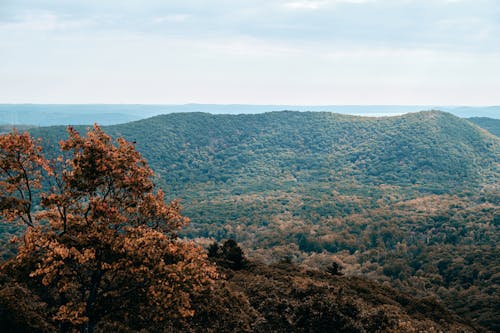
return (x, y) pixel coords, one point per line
(102, 250)
(21, 164)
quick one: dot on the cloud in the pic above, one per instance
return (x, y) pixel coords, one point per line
(306, 4)
(171, 18)
(402, 23)
(314, 4)
(45, 21)
(251, 51)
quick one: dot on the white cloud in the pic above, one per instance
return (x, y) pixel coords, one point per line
(171, 18)
(315, 4)
(305, 4)
(261, 51)
(45, 21)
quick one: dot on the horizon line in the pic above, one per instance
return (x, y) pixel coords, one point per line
(250, 104)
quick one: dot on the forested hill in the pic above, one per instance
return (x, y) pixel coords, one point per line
(427, 151)
(489, 124)
(198, 156)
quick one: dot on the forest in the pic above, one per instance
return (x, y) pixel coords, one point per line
(401, 206)
(489, 124)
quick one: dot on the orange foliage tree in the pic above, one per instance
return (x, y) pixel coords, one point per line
(102, 248)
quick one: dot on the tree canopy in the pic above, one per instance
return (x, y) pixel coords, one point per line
(102, 246)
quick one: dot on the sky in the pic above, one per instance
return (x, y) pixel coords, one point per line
(295, 52)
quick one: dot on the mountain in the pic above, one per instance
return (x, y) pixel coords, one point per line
(411, 201)
(61, 114)
(429, 152)
(8, 128)
(489, 124)
(474, 111)
(110, 114)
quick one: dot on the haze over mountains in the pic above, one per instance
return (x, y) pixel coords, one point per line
(109, 114)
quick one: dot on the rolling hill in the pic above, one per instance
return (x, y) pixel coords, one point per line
(203, 157)
(411, 200)
(427, 150)
(489, 124)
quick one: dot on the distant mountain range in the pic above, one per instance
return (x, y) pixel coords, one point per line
(110, 114)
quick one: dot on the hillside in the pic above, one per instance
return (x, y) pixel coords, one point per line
(268, 298)
(8, 128)
(205, 157)
(428, 151)
(283, 298)
(411, 200)
(64, 114)
(489, 124)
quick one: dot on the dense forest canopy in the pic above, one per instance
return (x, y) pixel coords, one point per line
(489, 124)
(411, 201)
(426, 151)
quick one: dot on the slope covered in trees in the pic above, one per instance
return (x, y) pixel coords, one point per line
(411, 201)
(426, 151)
(489, 124)
(100, 253)
(284, 298)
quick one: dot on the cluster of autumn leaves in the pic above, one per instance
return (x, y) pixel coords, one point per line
(100, 243)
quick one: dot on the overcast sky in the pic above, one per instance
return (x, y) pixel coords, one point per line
(441, 52)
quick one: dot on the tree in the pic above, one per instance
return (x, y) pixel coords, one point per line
(335, 268)
(103, 248)
(21, 164)
(228, 255)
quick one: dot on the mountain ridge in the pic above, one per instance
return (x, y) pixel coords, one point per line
(291, 123)
(489, 124)
(110, 114)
